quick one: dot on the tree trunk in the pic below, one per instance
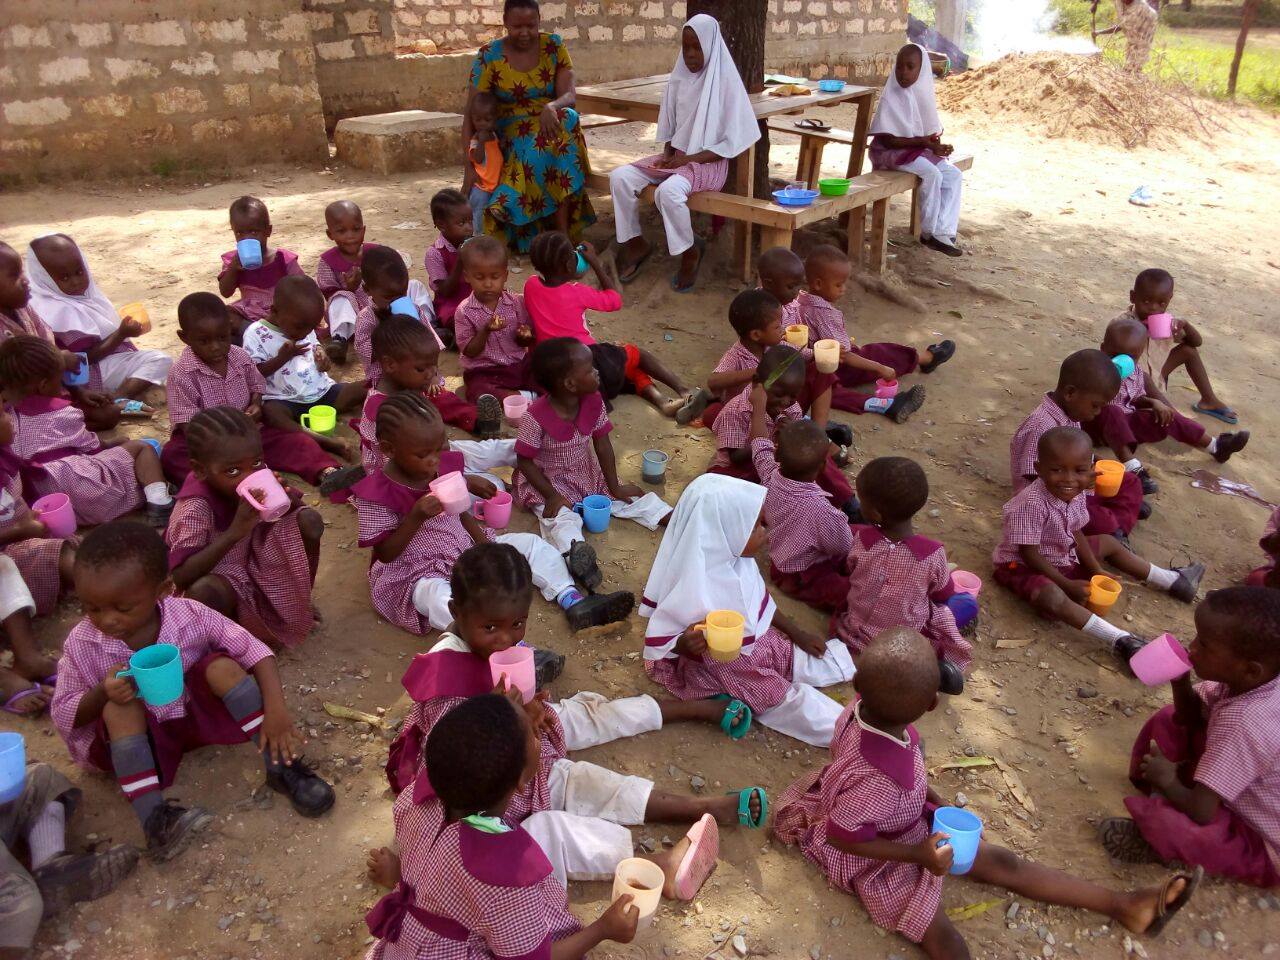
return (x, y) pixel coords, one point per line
(1246, 21)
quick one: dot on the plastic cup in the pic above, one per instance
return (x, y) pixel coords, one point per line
(886, 389)
(80, 375)
(642, 879)
(405, 307)
(724, 629)
(274, 503)
(1160, 326)
(250, 253)
(494, 512)
(1160, 661)
(798, 335)
(653, 466)
(1124, 365)
(965, 834)
(965, 582)
(595, 511)
(57, 514)
(964, 607)
(13, 766)
(826, 356)
(516, 664)
(320, 418)
(514, 407)
(157, 671)
(1103, 594)
(582, 264)
(1110, 475)
(154, 444)
(451, 490)
(139, 313)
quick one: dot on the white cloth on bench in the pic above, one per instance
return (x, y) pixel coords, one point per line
(939, 197)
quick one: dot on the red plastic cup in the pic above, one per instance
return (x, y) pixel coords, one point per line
(886, 389)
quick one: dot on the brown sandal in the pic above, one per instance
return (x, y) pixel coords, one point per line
(1167, 911)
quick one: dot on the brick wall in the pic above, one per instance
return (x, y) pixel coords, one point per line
(118, 85)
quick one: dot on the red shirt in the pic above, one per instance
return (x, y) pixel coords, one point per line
(559, 311)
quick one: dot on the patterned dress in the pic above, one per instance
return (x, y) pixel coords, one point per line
(37, 559)
(564, 451)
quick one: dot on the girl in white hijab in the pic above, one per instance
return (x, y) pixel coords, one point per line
(907, 135)
(84, 321)
(705, 120)
(705, 563)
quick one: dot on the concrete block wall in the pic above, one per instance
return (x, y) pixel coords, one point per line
(853, 40)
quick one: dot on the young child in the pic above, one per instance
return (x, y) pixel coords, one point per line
(898, 578)
(1141, 413)
(906, 134)
(287, 353)
(213, 372)
(84, 321)
(122, 580)
(1266, 575)
(104, 479)
(704, 563)
(386, 281)
(251, 221)
(469, 883)
(491, 326)
(415, 544)
(1206, 764)
(564, 453)
(223, 554)
(485, 169)
(1045, 558)
(557, 305)
(451, 215)
(864, 818)
(338, 272)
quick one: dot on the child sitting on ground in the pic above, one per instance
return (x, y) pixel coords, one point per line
(104, 479)
(1266, 575)
(415, 544)
(898, 578)
(251, 221)
(222, 553)
(485, 153)
(338, 272)
(864, 818)
(1087, 382)
(705, 563)
(451, 215)
(25, 690)
(564, 454)
(122, 580)
(491, 326)
(1045, 558)
(212, 372)
(1206, 763)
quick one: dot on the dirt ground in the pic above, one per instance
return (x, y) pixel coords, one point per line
(1053, 246)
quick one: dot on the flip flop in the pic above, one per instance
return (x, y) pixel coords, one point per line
(1225, 414)
(50, 681)
(702, 255)
(812, 123)
(635, 268)
(135, 408)
(1166, 912)
(736, 721)
(693, 407)
(34, 690)
(744, 807)
(700, 859)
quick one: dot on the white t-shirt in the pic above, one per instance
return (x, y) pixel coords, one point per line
(299, 380)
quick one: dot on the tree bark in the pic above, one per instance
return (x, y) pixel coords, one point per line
(1247, 16)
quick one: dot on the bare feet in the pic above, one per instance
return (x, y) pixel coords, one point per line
(339, 448)
(38, 666)
(630, 256)
(1138, 909)
(670, 408)
(12, 684)
(688, 271)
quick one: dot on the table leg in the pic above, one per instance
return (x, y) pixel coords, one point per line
(802, 164)
(915, 211)
(858, 149)
(771, 237)
(857, 236)
(879, 235)
(815, 164)
(744, 173)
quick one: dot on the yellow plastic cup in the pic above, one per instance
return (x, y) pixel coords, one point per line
(139, 313)
(798, 335)
(1103, 594)
(724, 629)
(826, 356)
(1110, 474)
(321, 418)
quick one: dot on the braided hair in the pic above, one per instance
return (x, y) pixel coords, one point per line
(488, 571)
(26, 362)
(214, 426)
(402, 408)
(551, 252)
(476, 753)
(450, 198)
(399, 336)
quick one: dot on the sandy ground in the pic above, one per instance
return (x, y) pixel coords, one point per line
(1053, 246)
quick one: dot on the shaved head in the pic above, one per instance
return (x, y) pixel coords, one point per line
(897, 676)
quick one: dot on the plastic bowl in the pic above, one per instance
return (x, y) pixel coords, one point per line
(835, 187)
(794, 198)
(830, 86)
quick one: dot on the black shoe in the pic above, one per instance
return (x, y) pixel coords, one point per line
(1144, 511)
(942, 352)
(1126, 647)
(488, 417)
(308, 792)
(841, 434)
(74, 877)
(852, 509)
(170, 828)
(1122, 539)
(933, 243)
(601, 608)
(1188, 582)
(158, 515)
(1149, 486)
(905, 404)
(694, 407)
(950, 679)
(1229, 443)
(447, 338)
(547, 665)
(581, 561)
(341, 479)
(336, 349)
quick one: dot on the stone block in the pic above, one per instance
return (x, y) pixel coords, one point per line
(201, 65)
(807, 28)
(130, 69)
(791, 6)
(408, 18)
(632, 32)
(161, 33)
(378, 46)
(587, 10)
(271, 124)
(362, 21)
(110, 105)
(291, 27)
(91, 34)
(599, 33)
(7, 79)
(20, 35)
(319, 21)
(553, 11)
(817, 8)
(236, 94)
(89, 139)
(569, 33)
(36, 113)
(221, 31)
(876, 26)
(841, 7)
(215, 131)
(21, 146)
(856, 26)
(404, 140)
(180, 100)
(63, 70)
(336, 50)
(437, 18)
(665, 31)
(255, 61)
(652, 10)
(492, 18)
(678, 11)
(780, 26)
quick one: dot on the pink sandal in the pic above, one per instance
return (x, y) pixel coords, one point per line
(700, 859)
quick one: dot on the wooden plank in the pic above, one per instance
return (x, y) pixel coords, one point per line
(771, 237)
(834, 135)
(857, 236)
(879, 235)
(593, 120)
(858, 148)
(744, 168)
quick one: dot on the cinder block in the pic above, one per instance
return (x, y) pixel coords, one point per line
(20, 35)
(110, 105)
(378, 46)
(255, 61)
(652, 10)
(404, 140)
(221, 31)
(632, 32)
(817, 8)
(236, 94)
(214, 131)
(553, 11)
(64, 70)
(36, 113)
(180, 100)
(599, 33)
(291, 27)
(336, 50)
(130, 69)
(162, 33)
(201, 65)
(362, 22)
(91, 34)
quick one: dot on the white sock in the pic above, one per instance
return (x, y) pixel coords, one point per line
(877, 405)
(157, 494)
(1213, 445)
(1161, 578)
(48, 836)
(1133, 466)
(1101, 630)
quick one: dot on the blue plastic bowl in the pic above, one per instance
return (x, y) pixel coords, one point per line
(794, 198)
(830, 86)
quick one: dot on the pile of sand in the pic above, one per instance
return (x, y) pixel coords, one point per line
(1077, 96)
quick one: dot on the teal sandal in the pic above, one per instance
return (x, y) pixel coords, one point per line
(744, 807)
(735, 727)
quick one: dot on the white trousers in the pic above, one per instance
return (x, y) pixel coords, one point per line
(807, 714)
(342, 309)
(939, 197)
(149, 365)
(671, 197)
(579, 848)
(566, 526)
(550, 575)
(15, 597)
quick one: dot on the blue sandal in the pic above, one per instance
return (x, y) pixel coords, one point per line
(1225, 414)
(744, 807)
(734, 726)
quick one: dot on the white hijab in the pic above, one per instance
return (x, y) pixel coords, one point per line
(707, 110)
(90, 314)
(700, 567)
(909, 112)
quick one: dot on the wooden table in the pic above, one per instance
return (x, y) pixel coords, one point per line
(639, 99)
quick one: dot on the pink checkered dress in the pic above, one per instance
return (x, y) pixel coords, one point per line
(701, 176)
(738, 357)
(23, 322)
(732, 426)
(192, 386)
(88, 654)
(894, 584)
(825, 321)
(760, 677)
(875, 787)
(1026, 439)
(36, 559)
(1035, 517)
(791, 313)
(562, 450)
(60, 455)
(258, 286)
(366, 320)
(333, 263)
(417, 824)
(804, 527)
(501, 349)
(1132, 388)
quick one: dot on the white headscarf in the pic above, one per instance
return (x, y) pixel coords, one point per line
(909, 112)
(700, 567)
(707, 110)
(90, 314)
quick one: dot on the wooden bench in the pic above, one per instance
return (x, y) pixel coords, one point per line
(589, 121)
(813, 142)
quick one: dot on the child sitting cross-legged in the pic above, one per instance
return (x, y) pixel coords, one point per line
(864, 818)
(250, 220)
(223, 553)
(451, 216)
(338, 275)
(898, 578)
(231, 688)
(1046, 559)
(415, 543)
(491, 326)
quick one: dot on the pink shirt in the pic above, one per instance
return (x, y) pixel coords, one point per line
(1133, 387)
(733, 426)
(1024, 447)
(1036, 518)
(501, 349)
(560, 311)
(193, 386)
(804, 527)
(564, 451)
(825, 321)
(738, 357)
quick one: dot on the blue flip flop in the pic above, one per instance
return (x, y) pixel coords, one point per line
(744, 807)
(734, 726)
(1225, 415)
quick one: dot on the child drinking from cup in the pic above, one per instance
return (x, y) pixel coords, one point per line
(231, 689)
(485, 153)
(1206, 763)
(222, 551)
(103, 479)
(253, 267)
(338, 275)
(864, 818)
(705, 564)
(1045, 557)
(415, 542)
(386, 281)
(491, 326)
(451, 215)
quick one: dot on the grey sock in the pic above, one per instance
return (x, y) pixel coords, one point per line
(136, 772)
(244, 703)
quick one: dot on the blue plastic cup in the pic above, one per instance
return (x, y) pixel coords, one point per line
(154, 444)
(250, 253)
(405, 307)
(80, 375)
(157, 670)
(1124, 364)
(13, 766)
(965, 832)
(964, 607)
(582, 261)
(595, 511)
(653, 466)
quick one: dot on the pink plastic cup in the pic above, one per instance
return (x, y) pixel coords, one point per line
(57, 514)
(514, 407)
(451, 490)
(275, 501)
(494, 512)
(965, 582)
(1160, 326)
(1160, 661)
(516, 664)
(886, 389)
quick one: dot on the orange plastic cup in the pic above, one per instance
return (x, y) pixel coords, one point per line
(1110, 474)
(798, 335)
(1103, 594)
(724, 630)
(139, 313)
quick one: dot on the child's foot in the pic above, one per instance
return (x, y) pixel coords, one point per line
(337, 448)
(939, 353)
(340, 478)
(1228, 443)
(600, 609)
(158, 514)
(950, 678)
(38, 667)
(1124, 842)
(488, 417)
(581, 561)
(1144, 511)
(1148, 912)
(1188, 582)
(547, 665)
(1218, 410)
(336, 349)
(1149, 486)
(307, 791)
(383, 867)
(841, 434)
(748, 808)
(75, 877)
(905, 404)
(691, 861)
(170, 828)
(693, 406)
(1125, 648)
(21, 697)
